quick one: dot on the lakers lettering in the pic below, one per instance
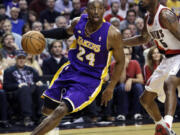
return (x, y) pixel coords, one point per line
(88, 44)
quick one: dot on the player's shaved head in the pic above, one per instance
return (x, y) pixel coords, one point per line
(92, 1)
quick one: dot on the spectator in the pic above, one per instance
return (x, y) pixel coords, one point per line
(114, 12)
(37, 26)
(17, 24)
(126, 33)
(32, 62)
(139, 22)
(9, 48)
(63, 6)
(61, 21)
(115, 22)
(49, 14)
(25, 84)
(52, 64)
(124, 6)
(76, 9)
(32, 17)
(7, 27)
(37, 6)
(3, 10)
(130, 19)
(154, 57)
(129, 89)
(11, 4)
(23, 10)
(133, 29)
(26, 28)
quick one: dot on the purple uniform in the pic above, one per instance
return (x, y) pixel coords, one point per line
(79, 81)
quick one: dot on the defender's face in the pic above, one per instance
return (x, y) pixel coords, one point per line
(146, 3)
(95, 11)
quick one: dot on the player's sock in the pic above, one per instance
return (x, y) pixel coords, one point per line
(160, 122)
(168, 119)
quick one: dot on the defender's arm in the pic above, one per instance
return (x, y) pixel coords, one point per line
(139, 39)
(169, 20)
(61, 33)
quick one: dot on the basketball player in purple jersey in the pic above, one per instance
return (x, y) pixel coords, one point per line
(78, 82)
(161, 24)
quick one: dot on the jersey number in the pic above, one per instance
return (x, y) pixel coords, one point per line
(90, 57)
(163, 43)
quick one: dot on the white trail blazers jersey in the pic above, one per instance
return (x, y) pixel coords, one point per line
(164, 39)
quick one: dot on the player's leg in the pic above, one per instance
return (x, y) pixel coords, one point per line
(171, 99)
(147, 100)
(52, 120)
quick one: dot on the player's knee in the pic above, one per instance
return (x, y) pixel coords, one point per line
(62, 109)
(170, 84)
(46, 111)
(146, 98)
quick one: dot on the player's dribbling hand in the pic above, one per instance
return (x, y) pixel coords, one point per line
(107, 95)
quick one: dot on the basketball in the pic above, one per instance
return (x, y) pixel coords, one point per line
(33, 42)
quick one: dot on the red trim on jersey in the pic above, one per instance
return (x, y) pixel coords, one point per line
(159, 17)
(153, 16)
(167, 51)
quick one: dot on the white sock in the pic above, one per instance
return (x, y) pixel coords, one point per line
(159, 122)
(168, 119)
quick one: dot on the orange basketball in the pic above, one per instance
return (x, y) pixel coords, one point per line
(33, 42)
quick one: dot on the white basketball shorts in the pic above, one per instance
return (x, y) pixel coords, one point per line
(168, 66)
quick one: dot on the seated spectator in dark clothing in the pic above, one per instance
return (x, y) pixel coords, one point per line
(49, 15)
(76, 9)
(129, 89)
(52, 64)
(26, 86)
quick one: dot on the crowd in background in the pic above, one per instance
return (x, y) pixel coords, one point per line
(24, 77)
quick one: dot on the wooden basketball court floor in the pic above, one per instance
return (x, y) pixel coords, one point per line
(118, 130)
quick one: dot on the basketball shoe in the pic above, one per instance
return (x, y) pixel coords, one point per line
(163, 129)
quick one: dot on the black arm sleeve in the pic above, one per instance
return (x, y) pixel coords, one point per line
(57, 33)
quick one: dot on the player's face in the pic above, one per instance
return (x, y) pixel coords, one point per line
(146, 3)
(95, 11)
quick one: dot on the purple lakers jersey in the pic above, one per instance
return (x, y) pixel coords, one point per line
(89, 55)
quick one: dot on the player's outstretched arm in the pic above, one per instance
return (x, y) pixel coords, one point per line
(61, 33)
(169, 20)
(115, 44)
(139, 39)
